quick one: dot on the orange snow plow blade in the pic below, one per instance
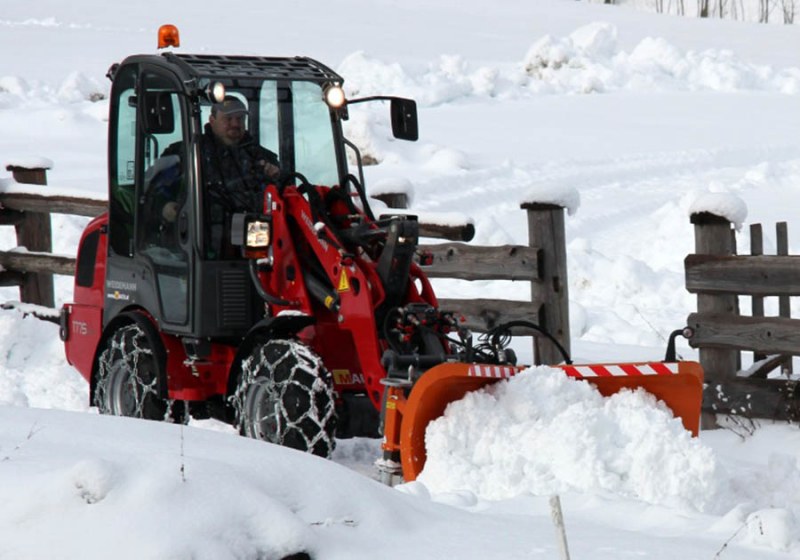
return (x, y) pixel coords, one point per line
(678, 384)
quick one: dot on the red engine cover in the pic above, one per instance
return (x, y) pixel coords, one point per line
(85, 316)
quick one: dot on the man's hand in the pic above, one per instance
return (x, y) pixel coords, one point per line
(270, 170)
(170, 211)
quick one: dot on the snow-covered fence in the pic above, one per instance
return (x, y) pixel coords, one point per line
(718, 276)
(542, 262)
(28, 210)
(34, 233)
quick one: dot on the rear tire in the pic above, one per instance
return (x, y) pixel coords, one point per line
(127, 377)
(285, 396)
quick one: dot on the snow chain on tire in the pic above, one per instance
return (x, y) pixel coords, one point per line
(285, 396)
(127, 377)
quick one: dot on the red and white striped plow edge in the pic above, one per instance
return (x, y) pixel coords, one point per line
(495, 372)
(582, 372)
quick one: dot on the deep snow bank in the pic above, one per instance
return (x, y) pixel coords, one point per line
(76, 485)
(588, 60)
(545, 433)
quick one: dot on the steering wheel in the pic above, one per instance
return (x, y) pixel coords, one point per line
(286, 180)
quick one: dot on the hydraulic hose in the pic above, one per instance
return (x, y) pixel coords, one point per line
(269, 298)
(503, 330)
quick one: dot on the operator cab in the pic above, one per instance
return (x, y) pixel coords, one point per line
(169, 262)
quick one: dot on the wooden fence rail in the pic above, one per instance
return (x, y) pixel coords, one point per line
(542, 262)
(53, 204)
(718, 276)
(37, 263)
(469, 262)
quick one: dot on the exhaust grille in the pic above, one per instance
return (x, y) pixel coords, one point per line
(233, 299)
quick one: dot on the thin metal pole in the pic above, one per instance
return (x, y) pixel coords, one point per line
(558, 521)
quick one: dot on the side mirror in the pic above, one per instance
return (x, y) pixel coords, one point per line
(404, 119)
(404, 115)
(158, 114)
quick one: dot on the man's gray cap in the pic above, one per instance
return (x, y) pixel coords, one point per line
(230, 106)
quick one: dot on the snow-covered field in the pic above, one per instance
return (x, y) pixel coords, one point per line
(639, 114)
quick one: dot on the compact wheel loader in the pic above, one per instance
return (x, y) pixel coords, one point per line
(318, 322)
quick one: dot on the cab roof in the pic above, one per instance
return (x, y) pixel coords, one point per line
(271, 68)
(212, 66)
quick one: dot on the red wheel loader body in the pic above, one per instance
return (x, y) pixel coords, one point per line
(174, 312)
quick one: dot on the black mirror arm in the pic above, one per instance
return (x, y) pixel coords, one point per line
(371, 98)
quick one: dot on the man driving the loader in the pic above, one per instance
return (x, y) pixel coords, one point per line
(234, 170)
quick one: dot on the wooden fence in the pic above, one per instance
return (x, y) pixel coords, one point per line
(718, 276)
(542, 262)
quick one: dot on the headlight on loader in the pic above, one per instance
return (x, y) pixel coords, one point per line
(257, 236)
(253, 233)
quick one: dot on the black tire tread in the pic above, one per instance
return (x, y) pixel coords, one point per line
(296, 382)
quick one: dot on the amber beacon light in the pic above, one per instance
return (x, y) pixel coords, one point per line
(168, 36)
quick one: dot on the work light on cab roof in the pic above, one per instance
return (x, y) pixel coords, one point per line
(334, 96)
(215, 92)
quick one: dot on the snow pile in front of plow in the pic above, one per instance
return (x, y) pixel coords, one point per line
(545, 433)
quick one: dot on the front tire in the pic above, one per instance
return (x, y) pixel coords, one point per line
(127, 377)
(285, 396)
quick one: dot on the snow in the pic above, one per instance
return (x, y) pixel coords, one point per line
(631, 121)
(590, 60)
(556, 194)
(30, 162)
(393, 185)
(724, 205)
(491, 442)
(10, 186)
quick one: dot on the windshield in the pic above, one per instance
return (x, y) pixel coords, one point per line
(294, 122)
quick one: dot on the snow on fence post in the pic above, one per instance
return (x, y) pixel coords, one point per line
(713, 235)
(35, 234)
(394, 193)
(546, 230)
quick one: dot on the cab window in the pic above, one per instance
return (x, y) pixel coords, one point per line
(163, 192)
(122, 172)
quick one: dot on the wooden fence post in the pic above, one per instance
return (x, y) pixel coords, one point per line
(546, 231)
(712, 236)
(35, 234)
(397, 200)
(784, 310)
(757, 249)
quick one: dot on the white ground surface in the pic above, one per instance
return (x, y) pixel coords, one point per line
(638, 115)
